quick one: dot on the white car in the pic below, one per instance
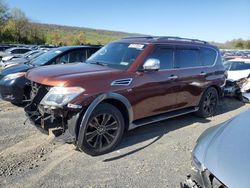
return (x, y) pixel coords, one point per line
(237, 68)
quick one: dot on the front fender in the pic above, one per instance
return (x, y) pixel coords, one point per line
(84, 120)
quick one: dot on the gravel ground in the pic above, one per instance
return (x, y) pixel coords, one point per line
(156, 155)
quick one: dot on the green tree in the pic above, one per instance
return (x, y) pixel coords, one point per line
(247, 44)
(3, 18)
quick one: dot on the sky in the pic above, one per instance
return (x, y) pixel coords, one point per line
(211, 20)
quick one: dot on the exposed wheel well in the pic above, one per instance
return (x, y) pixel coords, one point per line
(219, 90)
(123, 109)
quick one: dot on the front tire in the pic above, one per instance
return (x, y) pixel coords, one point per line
(208, 103)
(103, 131)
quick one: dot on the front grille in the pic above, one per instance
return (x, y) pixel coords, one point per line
(38, 91)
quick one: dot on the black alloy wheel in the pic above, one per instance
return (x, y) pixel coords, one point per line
(103, 131)
(208, 103)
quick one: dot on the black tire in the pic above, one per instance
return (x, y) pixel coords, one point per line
(100, 137)
(208, 103)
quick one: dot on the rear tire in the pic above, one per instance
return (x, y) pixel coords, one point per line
(103, 131)
(208, 103)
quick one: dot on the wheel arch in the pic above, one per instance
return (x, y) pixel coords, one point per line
(118, 100)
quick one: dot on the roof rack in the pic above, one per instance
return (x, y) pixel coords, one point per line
(167, 38)
(181, 39)
(139, 37)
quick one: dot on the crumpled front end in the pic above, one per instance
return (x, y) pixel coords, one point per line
(51, 117)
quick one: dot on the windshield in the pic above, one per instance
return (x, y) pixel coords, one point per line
(44, 58)
(34, 55)
(117, 55)
(236, 65)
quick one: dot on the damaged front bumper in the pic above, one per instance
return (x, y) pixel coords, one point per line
(47, 118)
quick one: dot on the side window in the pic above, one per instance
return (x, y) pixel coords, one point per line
(16, 51)
(63, 59)
(77, 56)
(208, 56)
(185, 58)
(91, 51)
(24, 50)
(165, 55)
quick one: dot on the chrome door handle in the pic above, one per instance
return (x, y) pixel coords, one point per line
(203, 74)
(173, 77)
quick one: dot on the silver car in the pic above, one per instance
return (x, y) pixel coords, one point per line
(221, 157)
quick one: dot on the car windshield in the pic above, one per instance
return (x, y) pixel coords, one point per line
(44, 58)
(34, 55)
(236, 65)
(117, 55)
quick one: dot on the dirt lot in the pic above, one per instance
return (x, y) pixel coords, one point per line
(156, 155)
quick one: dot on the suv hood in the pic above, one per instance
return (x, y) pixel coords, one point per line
(68, 75)
(224, 150)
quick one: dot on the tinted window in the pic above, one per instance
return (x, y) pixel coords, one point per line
(239, 65)
(165, 55)
(77, 56)
(16, 51)
(187, 58)
(63, 59)
(208, 56)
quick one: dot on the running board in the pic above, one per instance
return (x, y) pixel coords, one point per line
(161, 117)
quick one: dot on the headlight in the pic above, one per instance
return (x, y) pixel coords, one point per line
(60, 96)
(13, 76)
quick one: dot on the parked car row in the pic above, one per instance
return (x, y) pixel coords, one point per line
(15, 87)
(233, 54)
(18, 50)
(126, 84)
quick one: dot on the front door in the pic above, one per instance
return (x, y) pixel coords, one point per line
(155, 92)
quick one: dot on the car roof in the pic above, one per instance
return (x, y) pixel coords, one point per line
(65, 48)
(241, 60)
(165, 40)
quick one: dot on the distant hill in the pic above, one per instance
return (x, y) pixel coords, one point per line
(55, 34)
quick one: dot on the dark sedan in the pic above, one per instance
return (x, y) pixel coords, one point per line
(221, 157)
(14, 87)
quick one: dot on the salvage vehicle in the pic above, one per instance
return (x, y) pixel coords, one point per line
(14, 87)
(126, 84)
(239, 89)
(221, 156)
(237, 68)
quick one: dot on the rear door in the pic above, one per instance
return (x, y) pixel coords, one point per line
(191, 75)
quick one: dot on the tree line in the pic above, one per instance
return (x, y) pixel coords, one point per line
(15, 27)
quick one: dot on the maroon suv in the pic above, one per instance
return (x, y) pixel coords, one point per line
(126, 84)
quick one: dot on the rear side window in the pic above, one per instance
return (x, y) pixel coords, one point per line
(185, 58)
(208, 56)
(165, 55)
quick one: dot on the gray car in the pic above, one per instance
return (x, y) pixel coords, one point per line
(14, 51)
(24, 58)
(221, 157)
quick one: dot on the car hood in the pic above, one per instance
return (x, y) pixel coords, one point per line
(236, 75)
(15, 69)
(224, 150)
(70, 74)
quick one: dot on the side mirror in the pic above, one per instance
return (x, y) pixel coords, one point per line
(151, 64)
